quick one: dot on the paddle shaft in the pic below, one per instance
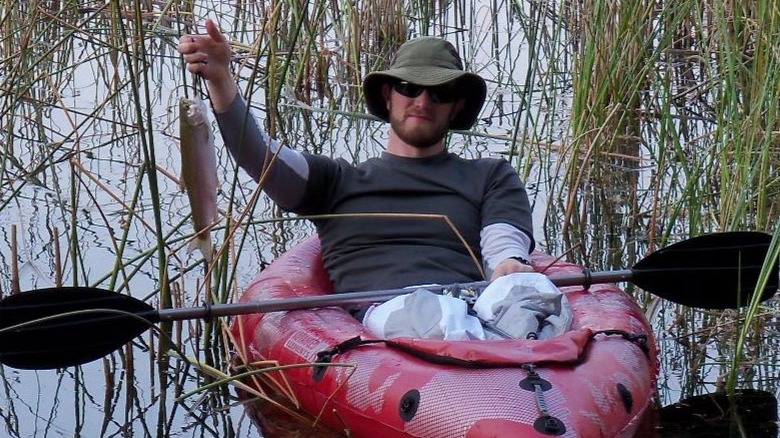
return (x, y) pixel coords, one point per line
(714, 271)
(343, 299)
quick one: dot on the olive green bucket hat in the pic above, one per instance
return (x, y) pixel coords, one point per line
(428, 61)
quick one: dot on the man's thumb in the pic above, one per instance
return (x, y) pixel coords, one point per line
(214, 32)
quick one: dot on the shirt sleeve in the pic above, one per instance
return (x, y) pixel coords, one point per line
(501, 241)
(507, 229)
(282, 171)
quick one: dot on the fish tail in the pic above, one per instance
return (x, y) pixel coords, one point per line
(204, 245)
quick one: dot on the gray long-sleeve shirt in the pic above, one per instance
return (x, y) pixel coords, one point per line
(483, 200)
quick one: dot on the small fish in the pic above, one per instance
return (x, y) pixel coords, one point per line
(198, 171)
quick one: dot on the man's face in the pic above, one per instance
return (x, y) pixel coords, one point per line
(415, 115)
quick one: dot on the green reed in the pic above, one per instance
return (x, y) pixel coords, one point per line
(690, 92)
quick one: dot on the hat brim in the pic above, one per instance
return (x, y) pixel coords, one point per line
(473, 86)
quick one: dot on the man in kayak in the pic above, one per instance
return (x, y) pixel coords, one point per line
(473, 218)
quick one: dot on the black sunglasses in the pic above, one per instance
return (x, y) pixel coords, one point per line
(438, 94)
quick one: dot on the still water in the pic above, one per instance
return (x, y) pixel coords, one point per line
(89, 190)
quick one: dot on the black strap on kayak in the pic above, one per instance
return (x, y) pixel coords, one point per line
(588, 278)
(640, 340)
(326, 356)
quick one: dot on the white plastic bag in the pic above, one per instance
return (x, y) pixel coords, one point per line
(524, 305)
(424, 315)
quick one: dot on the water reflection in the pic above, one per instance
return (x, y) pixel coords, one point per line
(747, 412)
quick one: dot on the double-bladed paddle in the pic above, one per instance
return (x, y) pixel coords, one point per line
(61, 327)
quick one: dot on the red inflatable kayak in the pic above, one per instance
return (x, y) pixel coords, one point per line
(597, 380)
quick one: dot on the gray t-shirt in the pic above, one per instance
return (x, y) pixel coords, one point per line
(372, 252)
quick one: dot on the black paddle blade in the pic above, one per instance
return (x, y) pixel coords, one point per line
(712, 271)
(105, 321)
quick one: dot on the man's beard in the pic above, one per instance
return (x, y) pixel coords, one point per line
(418, 137)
